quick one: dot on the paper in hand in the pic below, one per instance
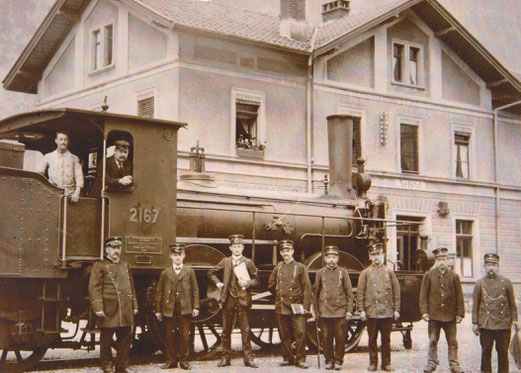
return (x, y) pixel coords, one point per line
(242, 272)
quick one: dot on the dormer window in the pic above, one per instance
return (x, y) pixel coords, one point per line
(407, 63)
(102, 47)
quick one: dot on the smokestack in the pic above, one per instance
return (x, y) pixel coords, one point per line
(335, 9)
(340, 137)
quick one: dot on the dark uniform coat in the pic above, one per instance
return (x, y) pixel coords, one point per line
(378, 292)
(114, 173)
(290, 284)
(494, 305)
(186, 285)
(441, 295)
(334, 294)
(225, 269)
(111, 290)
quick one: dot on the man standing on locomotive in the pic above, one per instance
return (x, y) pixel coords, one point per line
(176, 302)
(378, 300)
(113, 299)
(63, 168)
(443, 306)
(235, 298)
(494, 311)
(334, 299)
(290, 284)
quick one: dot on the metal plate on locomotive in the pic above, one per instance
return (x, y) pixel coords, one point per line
(142, 245)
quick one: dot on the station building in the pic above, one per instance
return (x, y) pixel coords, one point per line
(438, 117)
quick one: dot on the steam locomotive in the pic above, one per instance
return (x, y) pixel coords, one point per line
(48, 244)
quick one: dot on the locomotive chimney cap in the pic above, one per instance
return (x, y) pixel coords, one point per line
(236, 239)
(177, 248)
(491, 258)
(441, 252)
(114, 241)
(331, 250)
(286, 244)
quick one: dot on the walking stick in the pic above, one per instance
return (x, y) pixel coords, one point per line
(318, 342)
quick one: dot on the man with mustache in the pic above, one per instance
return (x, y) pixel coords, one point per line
(494, 311)
(442, 306)
(113, 299)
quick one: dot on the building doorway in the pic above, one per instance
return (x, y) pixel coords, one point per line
(408, 240)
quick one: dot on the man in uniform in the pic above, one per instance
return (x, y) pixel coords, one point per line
(113, 299)
(378, 300)
(119, 168)
(290, 284)
(442, 305)
(334, 299)
(494, 311)
(235, 298)
(177, 301)
(63, 168)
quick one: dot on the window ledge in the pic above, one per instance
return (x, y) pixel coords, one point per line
(250, 153)
(102, 70)
(420, 88)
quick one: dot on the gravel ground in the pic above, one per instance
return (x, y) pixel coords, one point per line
(402, 360)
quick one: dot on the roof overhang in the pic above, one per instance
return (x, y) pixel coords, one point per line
(504, 86)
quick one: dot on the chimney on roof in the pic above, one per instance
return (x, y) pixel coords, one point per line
(335, 9)
(293, 19)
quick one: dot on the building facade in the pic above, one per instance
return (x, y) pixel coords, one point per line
(438, 123)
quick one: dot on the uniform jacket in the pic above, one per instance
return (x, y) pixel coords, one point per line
(186, 285)
(494, 305)
(441, 296)
(111, 290)
(378, 292)
(334, 294)
(114, 174)
(224, 270)
(290, 284)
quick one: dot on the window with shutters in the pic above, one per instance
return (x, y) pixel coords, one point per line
(464, 248)
(357, 143)
(145, 107)
(248, 127)
(409, 148)
(102, 41)
(461, 145)
(407, 60)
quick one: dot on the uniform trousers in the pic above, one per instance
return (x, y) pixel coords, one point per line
(333, 328)
(292, 328)
(231, 308)
(434, 330)
(123, 342)
(177, 334)
(502, 339)
(384, 326)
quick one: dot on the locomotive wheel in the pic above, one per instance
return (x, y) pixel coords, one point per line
(355, 329)
(17, 360)
(264, 337)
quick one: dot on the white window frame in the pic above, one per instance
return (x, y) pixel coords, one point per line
(256, 96)
(476, 255)
(405, 66)
(467, 129)
(413, 121)
(101, 29)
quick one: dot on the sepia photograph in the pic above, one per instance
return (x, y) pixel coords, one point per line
(260, 186)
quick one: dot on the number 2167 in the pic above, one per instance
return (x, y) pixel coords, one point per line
(143, 215)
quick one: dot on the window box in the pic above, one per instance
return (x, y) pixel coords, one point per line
(250, 153)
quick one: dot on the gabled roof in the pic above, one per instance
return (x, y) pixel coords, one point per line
(226, 21)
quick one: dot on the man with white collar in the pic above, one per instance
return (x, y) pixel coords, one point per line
(290, 284)
(177, 301)
(494, 311)
(378, 300)
(334, 299)
(113, 299)
(235, 298)
(443, 306)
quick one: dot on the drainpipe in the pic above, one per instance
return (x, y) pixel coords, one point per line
(309, 124)
(496, 175)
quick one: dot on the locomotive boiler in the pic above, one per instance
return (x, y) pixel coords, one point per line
(49, 244)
